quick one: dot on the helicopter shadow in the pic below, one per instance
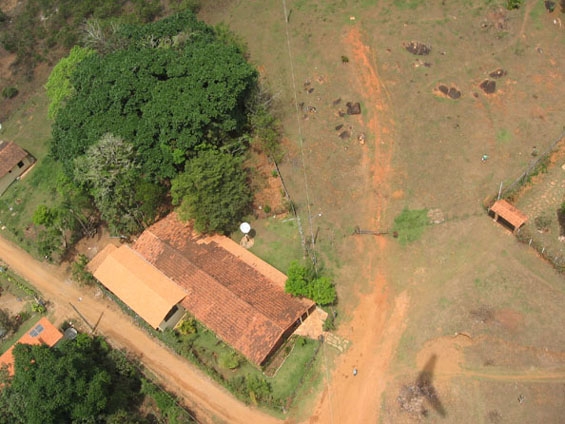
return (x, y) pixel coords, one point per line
(427, 389)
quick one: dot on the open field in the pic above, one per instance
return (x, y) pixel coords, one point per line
(402, 305)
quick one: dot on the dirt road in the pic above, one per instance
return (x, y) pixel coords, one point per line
(378, 321)
(205, 398)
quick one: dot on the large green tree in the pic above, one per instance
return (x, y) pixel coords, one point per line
(173, 90)
(213, 191)
(108, 172)
(77, 382)
(58, 86)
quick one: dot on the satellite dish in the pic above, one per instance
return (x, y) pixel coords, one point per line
(245, 228)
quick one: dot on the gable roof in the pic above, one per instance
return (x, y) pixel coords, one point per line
(136, 282)
(10, 155)
(41, 333)
(509, 213)
(232, 292)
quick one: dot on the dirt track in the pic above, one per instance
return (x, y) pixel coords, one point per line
(375, 329)
(204, 397)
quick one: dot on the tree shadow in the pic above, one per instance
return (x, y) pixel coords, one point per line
(426, 388)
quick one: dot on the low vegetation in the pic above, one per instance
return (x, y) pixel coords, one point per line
(410, 225)
(304, 281)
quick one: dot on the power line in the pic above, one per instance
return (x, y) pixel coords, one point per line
(311, 251)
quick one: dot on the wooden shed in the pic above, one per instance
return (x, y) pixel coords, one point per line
(14, 161)
(509, 214)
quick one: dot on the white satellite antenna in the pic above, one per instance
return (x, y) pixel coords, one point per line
(245, 228)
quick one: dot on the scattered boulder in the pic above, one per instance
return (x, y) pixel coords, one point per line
(454, 93)
(499, 73)
(451, 92)
(417, 48)
(339, 127)
(488, 86)
(353, 108)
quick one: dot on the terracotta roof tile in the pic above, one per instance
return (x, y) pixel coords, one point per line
(509, 213)
(10, 155)
(41, 333)
(236, 300)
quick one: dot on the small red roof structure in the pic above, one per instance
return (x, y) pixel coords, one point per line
(509, 213)
(10, 155)
(42, 333)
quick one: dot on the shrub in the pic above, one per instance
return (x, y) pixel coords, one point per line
(9, 92)
(302, 281)
(80, 272)
(513, 4)
(542, 222)
(229, 360)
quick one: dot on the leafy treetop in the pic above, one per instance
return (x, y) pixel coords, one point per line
(171, 96)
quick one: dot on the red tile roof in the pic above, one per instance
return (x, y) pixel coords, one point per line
(235, 294)
(42, 333)
(10, 155)
(509, 213)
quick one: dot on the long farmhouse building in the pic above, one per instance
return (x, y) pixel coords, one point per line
(171, 268)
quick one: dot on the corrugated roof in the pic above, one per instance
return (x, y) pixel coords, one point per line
(235, 294)
(509, 213)
(140, 285)
(10, 155)
(41, 333)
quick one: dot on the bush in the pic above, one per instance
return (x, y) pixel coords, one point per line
(229, 360)
(542, 222)
(80, 272)
(302, 281)
(9, 92)
(513, 4)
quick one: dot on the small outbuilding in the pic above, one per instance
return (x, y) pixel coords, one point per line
(508, 214)
(42, 333)
(14, 161)
(141, 286)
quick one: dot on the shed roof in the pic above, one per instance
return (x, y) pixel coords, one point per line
(232, 292)
(136, 282)
(509, 213)
(42, 333)
(10, 155)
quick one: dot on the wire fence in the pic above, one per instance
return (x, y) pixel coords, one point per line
(512, 192)
(539, 164)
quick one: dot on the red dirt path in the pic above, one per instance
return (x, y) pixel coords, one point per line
(375, 329)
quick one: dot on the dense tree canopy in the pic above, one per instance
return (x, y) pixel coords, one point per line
(172, 90)
(59, 87)
(213, 191)
(78, 381)
(178, 99)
